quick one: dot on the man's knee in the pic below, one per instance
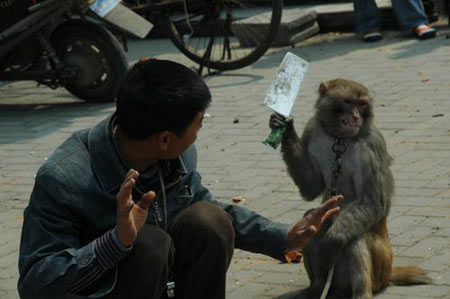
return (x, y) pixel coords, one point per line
(152, 247)
(207, 219)
(204, 226)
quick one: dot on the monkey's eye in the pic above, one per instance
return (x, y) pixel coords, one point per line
(362, 104)
(348, 101)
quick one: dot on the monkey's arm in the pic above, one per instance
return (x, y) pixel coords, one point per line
(354, 220)
(299, 165)
(374, 199)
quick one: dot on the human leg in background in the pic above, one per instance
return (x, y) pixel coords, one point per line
(203, 235)
(411, 15)
(367, 19)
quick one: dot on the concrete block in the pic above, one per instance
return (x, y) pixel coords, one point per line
(296, 25)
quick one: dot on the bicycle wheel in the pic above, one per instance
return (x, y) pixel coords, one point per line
(225, 34)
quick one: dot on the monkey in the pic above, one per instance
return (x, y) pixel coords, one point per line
(341, 151)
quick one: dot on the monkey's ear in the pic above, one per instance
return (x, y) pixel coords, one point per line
(323, 88)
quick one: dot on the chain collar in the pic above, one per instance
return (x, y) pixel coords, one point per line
(338, 148)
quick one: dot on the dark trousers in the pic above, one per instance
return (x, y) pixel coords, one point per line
(196, 253)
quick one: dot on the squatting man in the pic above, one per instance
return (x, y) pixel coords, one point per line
(119, 211)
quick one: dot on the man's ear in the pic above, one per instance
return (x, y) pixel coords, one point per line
(164, 139)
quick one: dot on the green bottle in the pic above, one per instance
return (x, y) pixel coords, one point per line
(275, 136)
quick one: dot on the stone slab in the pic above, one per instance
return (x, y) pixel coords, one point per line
(296, 25)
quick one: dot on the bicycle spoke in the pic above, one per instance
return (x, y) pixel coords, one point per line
(207, 55)
(231, 41)
(226, 50)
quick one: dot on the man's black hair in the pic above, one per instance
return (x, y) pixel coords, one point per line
(160, 95)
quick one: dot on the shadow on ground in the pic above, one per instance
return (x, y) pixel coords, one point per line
(231, 79)
(31, 121)
(317, 48)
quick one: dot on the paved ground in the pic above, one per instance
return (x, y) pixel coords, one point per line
(411, 83)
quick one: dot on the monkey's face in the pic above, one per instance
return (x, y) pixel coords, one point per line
(344, 108)
(344, 117)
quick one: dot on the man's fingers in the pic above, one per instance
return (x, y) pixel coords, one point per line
(309, 233)
(330, 212)
(330, 203)
(311, 229)
(129, 206)
(131, 174)
(127, 186)
(146, 200)
(125, 192)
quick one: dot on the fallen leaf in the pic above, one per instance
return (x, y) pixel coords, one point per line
(438, 115)
(293, 256)
(236, 120)
(425, 80)
(238, 199)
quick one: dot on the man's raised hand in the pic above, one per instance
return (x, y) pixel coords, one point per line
(301, 232)
(131, 216)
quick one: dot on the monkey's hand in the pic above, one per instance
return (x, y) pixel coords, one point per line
(278, 120)
(301, 232)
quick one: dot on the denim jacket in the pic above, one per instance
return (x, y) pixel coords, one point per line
(73, 202)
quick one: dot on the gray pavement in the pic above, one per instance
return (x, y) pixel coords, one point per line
(411, 83)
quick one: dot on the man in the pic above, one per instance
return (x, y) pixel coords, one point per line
(118, 211)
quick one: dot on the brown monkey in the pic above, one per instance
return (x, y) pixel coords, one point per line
(342, 151)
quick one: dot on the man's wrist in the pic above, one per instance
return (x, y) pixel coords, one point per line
(108, 250)
(120, 245)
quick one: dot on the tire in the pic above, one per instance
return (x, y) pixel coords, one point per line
(241, 50)
(94, 52)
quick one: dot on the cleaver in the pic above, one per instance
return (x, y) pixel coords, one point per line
(283, 91)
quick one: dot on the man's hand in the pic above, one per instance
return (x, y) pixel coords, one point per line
(301, 232)
(131, 217)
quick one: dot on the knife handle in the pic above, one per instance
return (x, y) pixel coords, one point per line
(274, 138)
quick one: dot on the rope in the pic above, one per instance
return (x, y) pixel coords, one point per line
(328, 283)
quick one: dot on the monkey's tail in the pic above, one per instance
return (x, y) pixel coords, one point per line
(409, 276)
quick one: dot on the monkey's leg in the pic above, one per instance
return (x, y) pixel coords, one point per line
(317, 267)
(352, 276)
(317, 262)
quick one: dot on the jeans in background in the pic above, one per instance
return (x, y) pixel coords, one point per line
(409, 14)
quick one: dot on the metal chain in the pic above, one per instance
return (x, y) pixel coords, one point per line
(338, 148)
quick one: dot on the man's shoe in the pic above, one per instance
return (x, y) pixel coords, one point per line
(424, 31)
(370, 37)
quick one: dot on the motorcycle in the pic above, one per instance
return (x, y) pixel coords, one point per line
(64, 43)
